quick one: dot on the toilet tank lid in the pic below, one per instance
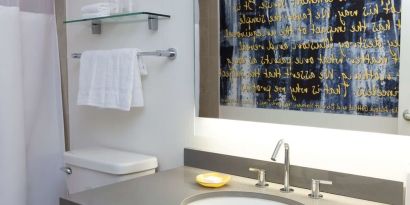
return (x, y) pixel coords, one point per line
(110, 161)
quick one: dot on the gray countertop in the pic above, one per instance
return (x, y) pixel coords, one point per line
(173, 186)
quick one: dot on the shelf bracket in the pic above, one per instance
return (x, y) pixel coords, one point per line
(96, 26)
(153, 23)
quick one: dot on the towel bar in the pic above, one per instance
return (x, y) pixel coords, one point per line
(171, 53)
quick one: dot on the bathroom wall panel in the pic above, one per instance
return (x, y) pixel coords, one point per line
(209, 59)
(161, 127)
(60, 11)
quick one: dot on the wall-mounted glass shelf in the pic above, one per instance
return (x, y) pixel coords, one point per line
(96, 23)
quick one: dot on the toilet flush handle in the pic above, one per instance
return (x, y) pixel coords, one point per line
(67, 170)
(406, 115)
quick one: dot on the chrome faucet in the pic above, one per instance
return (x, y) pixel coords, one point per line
(286, 188)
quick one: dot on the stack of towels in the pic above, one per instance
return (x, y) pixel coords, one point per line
(111, 79)
(99, 10)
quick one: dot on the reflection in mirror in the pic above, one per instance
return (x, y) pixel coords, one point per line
(332, 64)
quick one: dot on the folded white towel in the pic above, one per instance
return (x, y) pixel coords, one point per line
(95, 15)
(98, 7)
(111, 79)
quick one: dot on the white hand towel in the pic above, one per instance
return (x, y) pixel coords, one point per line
(408, 185)
(108, 79)
(141, 69)
(98, 7)
(140, 63)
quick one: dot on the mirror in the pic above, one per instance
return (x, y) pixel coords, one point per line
(322, 63)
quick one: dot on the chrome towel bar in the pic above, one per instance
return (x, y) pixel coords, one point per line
(171, 53)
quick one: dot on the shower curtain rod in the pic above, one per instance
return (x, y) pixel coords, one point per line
(171, 53)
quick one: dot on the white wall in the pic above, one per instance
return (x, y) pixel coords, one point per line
(161, 127)
(367, 154)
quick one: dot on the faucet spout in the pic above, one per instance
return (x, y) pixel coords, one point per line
(276, 151)
(286, 183)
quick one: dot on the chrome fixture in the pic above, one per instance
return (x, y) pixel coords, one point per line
(67, 170)
(153, 22)
(261, 177)
(316, 188)
(171, 53)
(286, 184)
(406, 115)
(96, 27)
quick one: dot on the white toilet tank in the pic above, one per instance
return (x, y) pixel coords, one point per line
(98, 166)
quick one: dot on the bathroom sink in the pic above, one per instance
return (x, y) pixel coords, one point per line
(237, 198)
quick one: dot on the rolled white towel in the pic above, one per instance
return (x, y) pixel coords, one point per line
(100, 7)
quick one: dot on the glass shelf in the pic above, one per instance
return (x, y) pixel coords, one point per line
(96, 23)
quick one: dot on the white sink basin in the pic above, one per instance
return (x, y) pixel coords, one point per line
(237, 198)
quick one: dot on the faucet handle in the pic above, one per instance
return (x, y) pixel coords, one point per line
(261, 177)
(316, 188)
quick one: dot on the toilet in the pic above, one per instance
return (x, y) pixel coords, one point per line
(94, 167)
